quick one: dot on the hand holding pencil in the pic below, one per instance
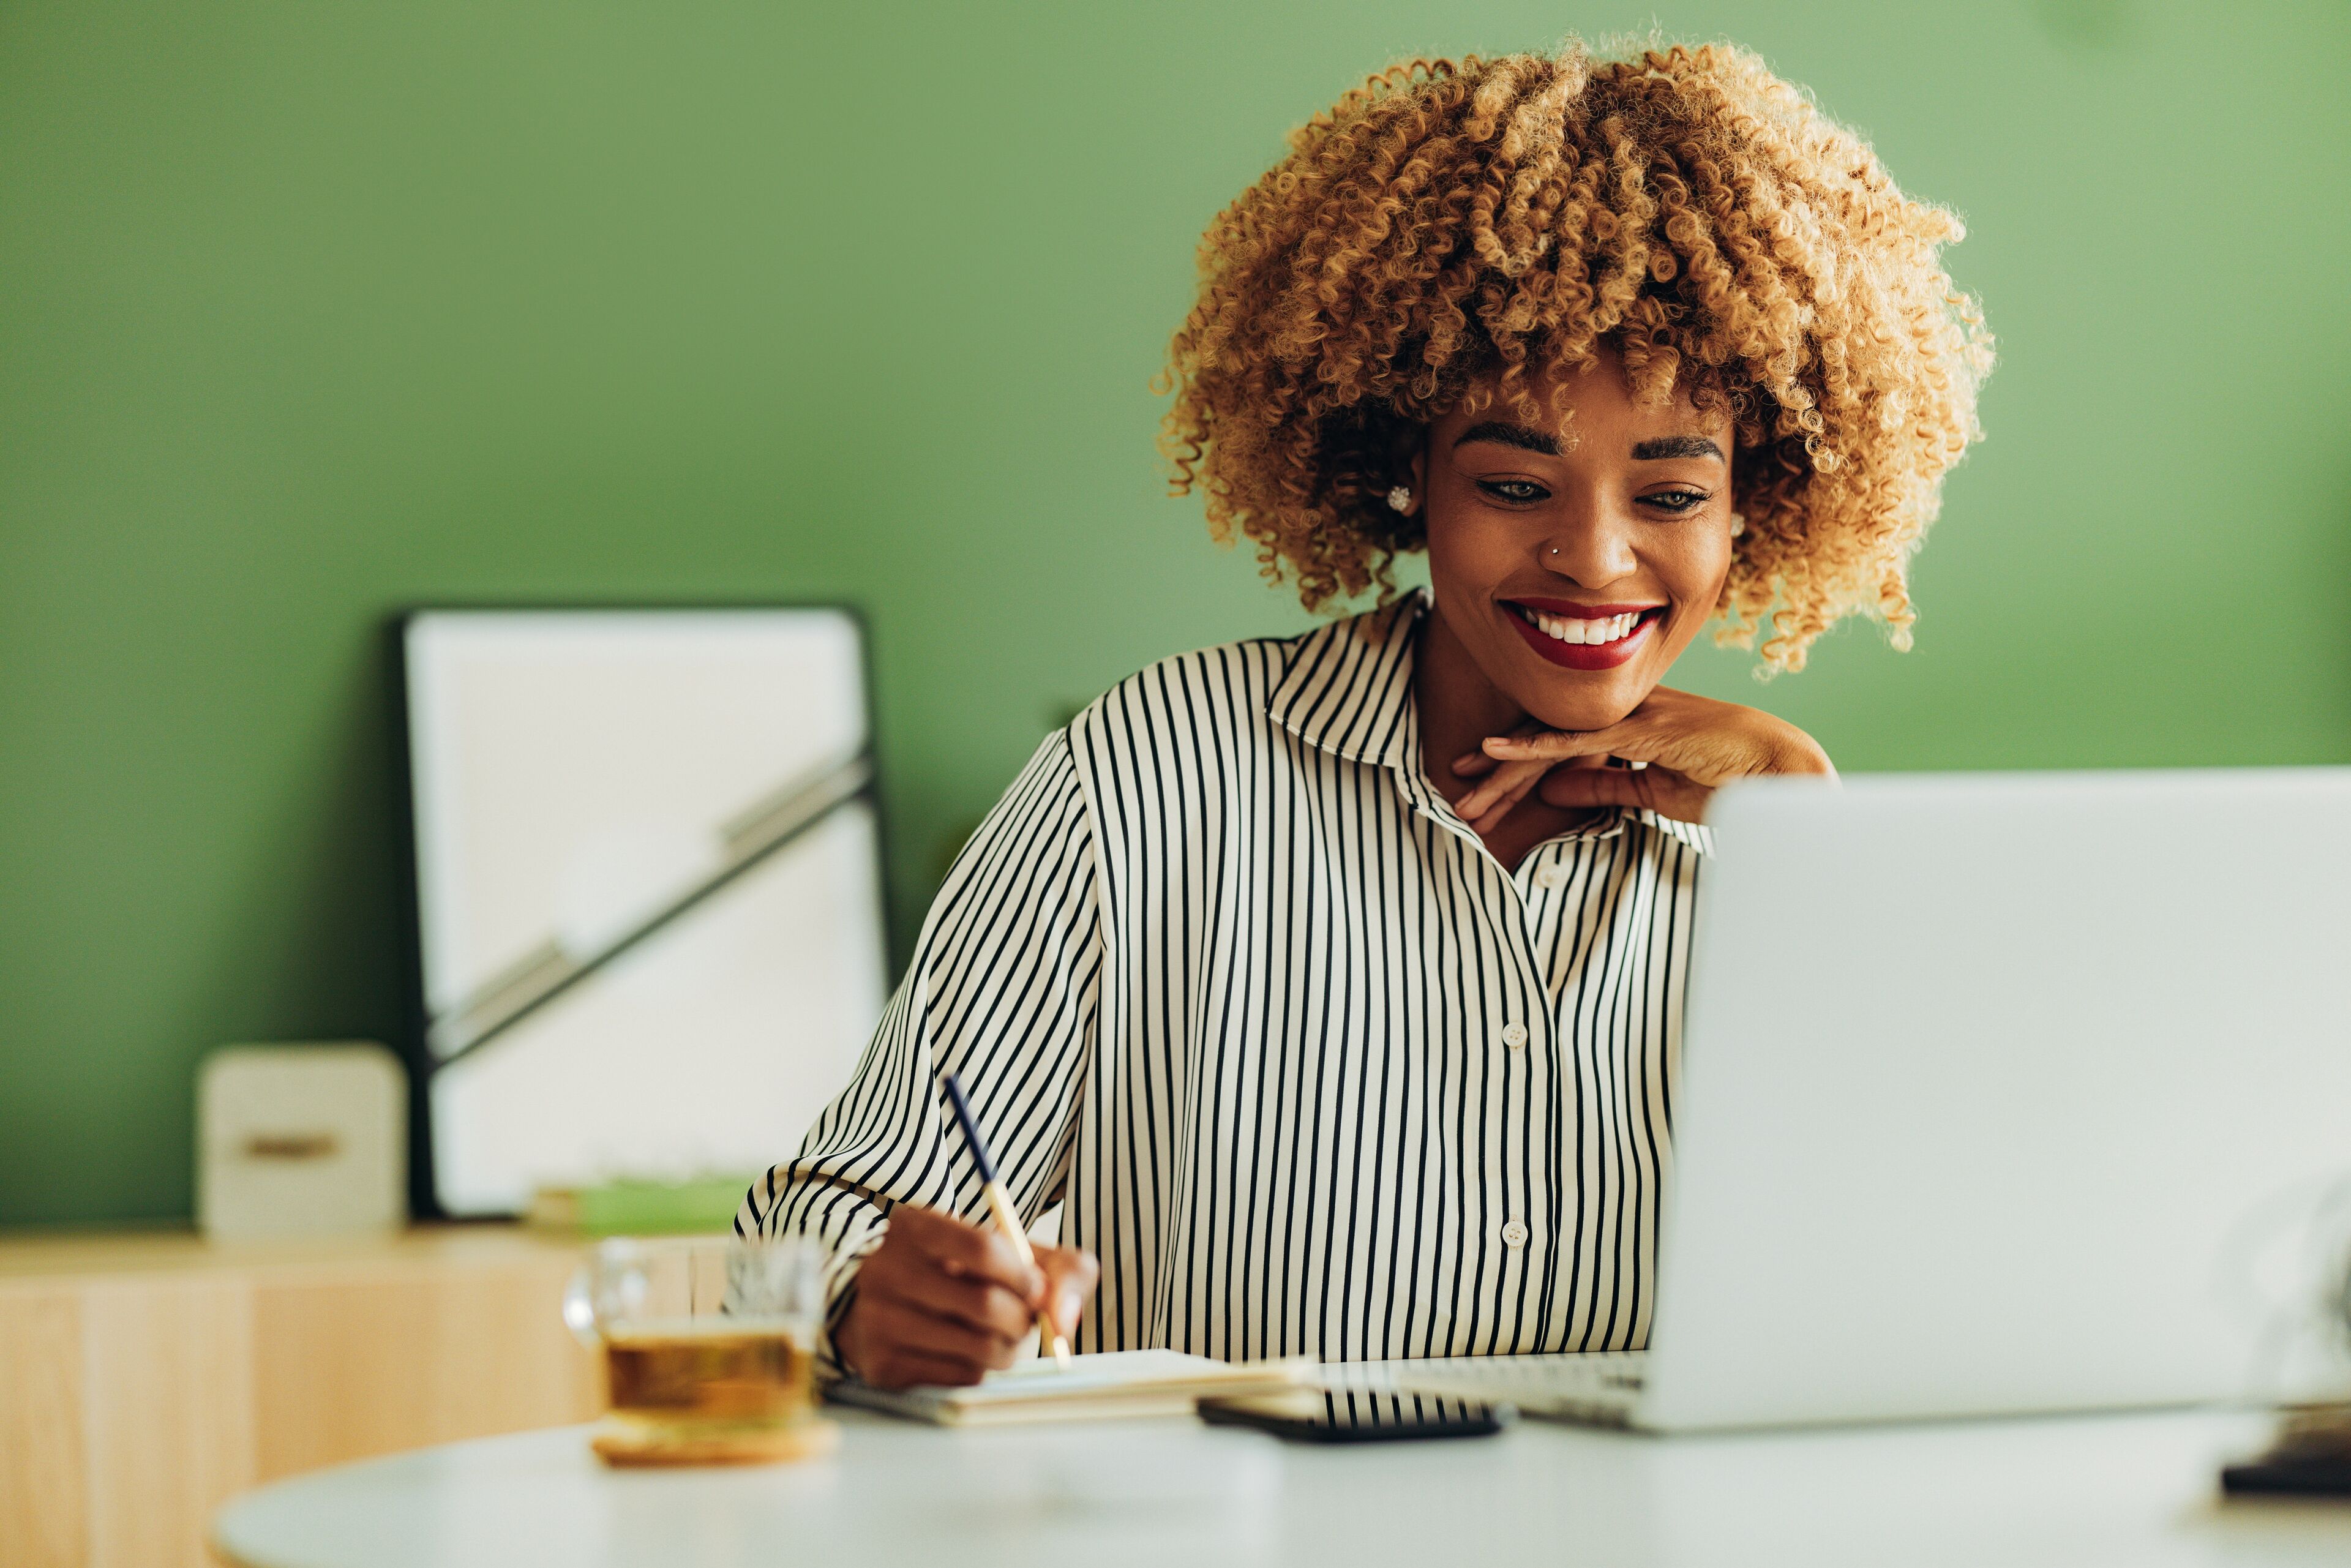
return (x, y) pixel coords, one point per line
(942, 1301)
(999, 1204)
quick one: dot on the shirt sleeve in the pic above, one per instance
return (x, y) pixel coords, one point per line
(1003, 991)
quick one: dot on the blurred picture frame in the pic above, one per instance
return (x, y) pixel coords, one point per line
(645, 884)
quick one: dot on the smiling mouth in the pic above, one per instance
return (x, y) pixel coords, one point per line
(1584, 637)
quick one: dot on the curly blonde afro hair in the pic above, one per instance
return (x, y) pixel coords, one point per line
(1448, 223)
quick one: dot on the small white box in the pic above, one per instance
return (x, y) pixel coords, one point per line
(301, 1140)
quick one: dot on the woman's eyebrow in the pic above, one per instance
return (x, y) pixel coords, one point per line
(1509, 435)
(1658, 449)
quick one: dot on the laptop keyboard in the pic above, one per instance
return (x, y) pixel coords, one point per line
(1599, 1387)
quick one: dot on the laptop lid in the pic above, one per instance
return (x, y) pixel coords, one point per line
(2006, 1093)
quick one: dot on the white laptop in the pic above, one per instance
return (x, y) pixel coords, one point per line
(2001, 1093)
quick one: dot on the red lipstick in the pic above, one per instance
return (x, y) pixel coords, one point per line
(1584, 655)
(1582, 611)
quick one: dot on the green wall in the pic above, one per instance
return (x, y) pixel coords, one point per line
(309, 311)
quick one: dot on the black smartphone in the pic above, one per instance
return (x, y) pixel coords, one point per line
(1315, 1415)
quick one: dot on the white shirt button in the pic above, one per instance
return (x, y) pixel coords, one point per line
(1514, 1234)
(1550, 875)
(1514, 1035)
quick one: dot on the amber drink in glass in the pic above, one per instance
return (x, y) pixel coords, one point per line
(709, 1346)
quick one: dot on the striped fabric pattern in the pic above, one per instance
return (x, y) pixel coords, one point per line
(1309, 1070)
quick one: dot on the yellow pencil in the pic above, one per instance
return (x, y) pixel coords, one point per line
(999, 1204)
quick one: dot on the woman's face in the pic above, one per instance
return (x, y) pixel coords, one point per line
(1575, 569)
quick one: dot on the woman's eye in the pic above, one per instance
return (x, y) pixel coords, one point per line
(1518, 492)
(1675, 500)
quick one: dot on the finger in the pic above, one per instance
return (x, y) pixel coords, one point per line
(1477, 764)
(975, 1303)
(1558, 744)
(897, 1325)
(1493, 815)
(1508, 781)
(904, 1368)
(1069, 1277)
(1505, 778)
(1529, 775)
(1658, 790)
(1596, 786)
(960, 1248)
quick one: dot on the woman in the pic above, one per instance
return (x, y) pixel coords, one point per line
(1333, 985)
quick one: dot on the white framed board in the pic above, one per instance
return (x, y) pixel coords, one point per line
(649, 896)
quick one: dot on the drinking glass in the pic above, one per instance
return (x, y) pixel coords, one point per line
(708, 1345)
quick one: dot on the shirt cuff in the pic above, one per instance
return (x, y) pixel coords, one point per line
(840, 1271)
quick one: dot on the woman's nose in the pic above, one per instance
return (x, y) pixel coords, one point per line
(1591, 552)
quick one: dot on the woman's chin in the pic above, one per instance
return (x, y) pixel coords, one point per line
(1561, 697)
(1593, 706)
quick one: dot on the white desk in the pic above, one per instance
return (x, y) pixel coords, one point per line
(2137, 1491)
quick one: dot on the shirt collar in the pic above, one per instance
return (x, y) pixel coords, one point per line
(1348, 686)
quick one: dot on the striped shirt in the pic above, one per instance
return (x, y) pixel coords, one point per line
(1306, 1067)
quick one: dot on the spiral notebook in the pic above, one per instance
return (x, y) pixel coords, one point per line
(1113, 1384)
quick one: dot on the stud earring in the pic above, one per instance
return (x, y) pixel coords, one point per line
(1400, 498)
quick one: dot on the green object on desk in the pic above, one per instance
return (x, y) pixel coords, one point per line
(639, 1207)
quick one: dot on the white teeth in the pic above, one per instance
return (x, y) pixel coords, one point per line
(1579, 629)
